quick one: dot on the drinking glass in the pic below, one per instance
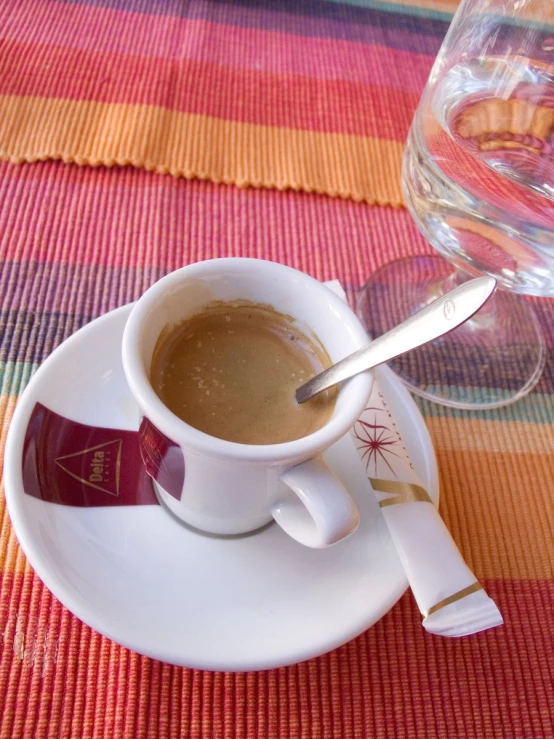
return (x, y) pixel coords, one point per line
(478, 178)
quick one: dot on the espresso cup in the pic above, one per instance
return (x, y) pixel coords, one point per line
(223, 487)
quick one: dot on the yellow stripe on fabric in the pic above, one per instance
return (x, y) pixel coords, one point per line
(534, 10)
(445, 6)
(198, 146)
(12, 559)
(7, 407)
(477, 434)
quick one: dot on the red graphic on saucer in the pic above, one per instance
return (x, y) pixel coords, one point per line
(79, 465)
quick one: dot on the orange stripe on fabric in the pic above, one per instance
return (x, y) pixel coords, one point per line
(189, 145)
(498, 507)
(12, 558)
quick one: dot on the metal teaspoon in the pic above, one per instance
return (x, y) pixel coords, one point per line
(436, 319)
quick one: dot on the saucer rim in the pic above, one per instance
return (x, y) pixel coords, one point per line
(14, 500)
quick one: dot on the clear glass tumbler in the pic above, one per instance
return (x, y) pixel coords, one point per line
(478, 178)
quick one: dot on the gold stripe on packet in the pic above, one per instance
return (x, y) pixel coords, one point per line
(454, 598)
(401, 492)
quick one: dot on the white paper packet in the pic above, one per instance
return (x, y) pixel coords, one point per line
(448, 595)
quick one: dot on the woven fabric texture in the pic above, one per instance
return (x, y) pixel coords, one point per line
(313, 97)
(273, 94)
(99, 238)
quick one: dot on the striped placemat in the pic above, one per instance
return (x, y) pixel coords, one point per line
(314, 96)
(78, 241)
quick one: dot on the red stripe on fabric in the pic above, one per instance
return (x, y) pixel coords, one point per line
(116, 32)
(395, 680)
(198, 87)
(131, 218)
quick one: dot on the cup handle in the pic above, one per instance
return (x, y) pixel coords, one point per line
(321, 512)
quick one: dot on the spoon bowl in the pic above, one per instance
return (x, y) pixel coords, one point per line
(436, 319)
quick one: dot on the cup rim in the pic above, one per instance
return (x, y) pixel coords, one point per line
(357, 389)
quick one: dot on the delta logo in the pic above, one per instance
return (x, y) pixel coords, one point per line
(98, 467)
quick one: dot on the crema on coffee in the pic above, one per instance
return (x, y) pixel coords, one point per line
(232, 370)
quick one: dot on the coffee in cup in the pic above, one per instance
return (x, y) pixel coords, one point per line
(232, 370)
(221, 486)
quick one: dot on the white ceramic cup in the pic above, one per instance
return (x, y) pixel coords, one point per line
(223, 487)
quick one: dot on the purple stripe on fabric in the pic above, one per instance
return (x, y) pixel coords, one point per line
(29, 335)
(312, 18)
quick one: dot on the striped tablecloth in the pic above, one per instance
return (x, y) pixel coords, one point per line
(305, 101)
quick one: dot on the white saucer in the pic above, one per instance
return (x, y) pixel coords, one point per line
(140, 578)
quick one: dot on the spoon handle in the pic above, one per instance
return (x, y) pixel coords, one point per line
(436, 319)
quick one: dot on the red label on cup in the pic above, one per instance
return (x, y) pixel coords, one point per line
(78, 465)
(162, 458)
